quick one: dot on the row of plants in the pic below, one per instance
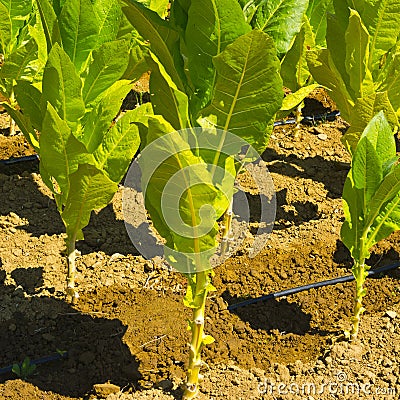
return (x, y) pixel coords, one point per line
(217, 66)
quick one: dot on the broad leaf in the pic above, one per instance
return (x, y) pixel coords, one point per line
(62, 87)
(248, 90)
(158, 32)
(79, 29)
(281, 19)
(109, 15)
(49, 23)
(120, 144)
(97, 122)
(317, 12)
(109, 63)
(211, 26)
(61, 152)
(28, 98)
(357, 55)
(92, 190)
(294, 68)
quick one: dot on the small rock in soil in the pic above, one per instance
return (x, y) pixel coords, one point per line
(322, 136)
(391, 314)
(102, 390)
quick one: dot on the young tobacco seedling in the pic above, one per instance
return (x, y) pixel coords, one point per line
(85, 143)
(361, 63)
(371, 202)
(25, 370)
(210, 74)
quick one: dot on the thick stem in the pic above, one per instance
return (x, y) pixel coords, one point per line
(71, 293)
(12, 122)
(360, 274)
(197, 328)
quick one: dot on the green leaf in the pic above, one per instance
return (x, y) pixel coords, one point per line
(28, 98)
(108, 65)
(49, 23)
(60, 151)
(13, 16)
(317, 12)
(384, 215)
(19, 64)
(167, 100)
(389, 80)
(180, 196)
(24, 123)
(109, 15)
(92, 190)
(137, 64)
(158, 6)
(97, 122)
(79, 29)
(292, 100)
(211, 26)
(62, 86)
(294, 68)
(248, 90)
(381, 20)
(120, 144)
(364, 110)
(326, 74)
(207, 339)
(158, 32)
(281, 19)
(357, 54)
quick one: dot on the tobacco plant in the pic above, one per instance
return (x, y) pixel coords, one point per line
(209, 70)
(85, 143)
(360, 66)
(21, 39)
(371, 202)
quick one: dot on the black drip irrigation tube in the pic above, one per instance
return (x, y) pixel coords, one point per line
(11, 161)
(299, 289)
(307, 118)
(38, 361)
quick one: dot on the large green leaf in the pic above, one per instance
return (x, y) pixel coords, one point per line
(62, 87)
(49, 23)
(316, 12)
(24, 123)
(60, 151)
(325, 73)
(79, 29)
(248, 90)
(120, 144)
(365, 109)
(109, 15)
(281, 19)
(158, 6)
(294, 68)
(167, 99)
(20, 63)
(28, 98)
(92, 190)
(357, 55)
(97, 122)
(211, 26)
(389, 80)
(108, 65)
(14, 15)
(384, 214)
(159, 33)
(381, 20)
(178, 187)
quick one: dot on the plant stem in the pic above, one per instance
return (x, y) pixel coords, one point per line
(12, 122)
(197, 328)
(71, 293)
(227, 222)
(360, 273)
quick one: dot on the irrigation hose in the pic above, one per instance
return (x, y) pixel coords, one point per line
(38, 361)
(307, 118)
(298, 289)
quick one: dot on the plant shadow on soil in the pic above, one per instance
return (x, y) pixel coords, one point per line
(104, 233)
(40, 326)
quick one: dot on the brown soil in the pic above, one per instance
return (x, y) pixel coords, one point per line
(129, 325)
